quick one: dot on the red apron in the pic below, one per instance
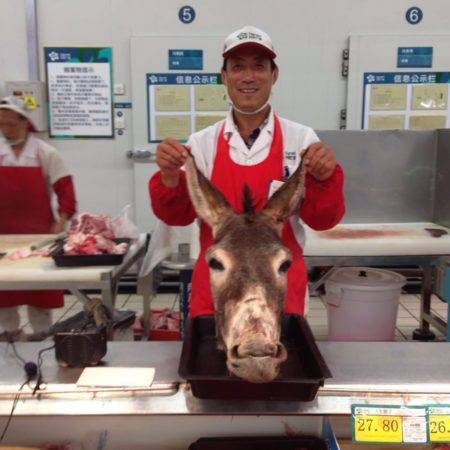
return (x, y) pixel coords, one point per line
(25, 209)
(230, 178)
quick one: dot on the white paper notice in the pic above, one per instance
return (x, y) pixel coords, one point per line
(117, 377)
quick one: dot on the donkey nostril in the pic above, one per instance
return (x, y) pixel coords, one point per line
(278, 351)
(235, 352)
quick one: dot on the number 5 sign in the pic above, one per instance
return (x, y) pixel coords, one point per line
(186, 14)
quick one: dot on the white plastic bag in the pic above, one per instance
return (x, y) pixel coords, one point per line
(123, 226)
(160, 247)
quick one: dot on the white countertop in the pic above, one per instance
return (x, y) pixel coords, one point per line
(377, 240)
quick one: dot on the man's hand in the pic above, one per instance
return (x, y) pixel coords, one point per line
(59, 225)
(320, 161)
(170, 157)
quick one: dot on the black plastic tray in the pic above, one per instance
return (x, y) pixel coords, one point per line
(106, 259)
(204, 367)
(261, 443)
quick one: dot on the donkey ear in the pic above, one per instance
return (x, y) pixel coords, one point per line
(209, 203)
(286, 199)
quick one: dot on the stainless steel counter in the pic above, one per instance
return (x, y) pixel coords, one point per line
(363, 372)
(166, 415)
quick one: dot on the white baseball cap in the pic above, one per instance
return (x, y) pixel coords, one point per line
(248, 36)
(17, 105)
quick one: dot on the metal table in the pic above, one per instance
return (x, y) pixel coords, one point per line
(428, 265)
(405, 244)
(42, 273)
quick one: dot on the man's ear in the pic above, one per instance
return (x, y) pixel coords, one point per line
(223, 74)
(275, 75)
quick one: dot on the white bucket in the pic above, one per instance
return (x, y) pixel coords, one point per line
(362, 304)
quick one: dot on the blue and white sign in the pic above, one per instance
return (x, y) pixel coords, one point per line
(406, 77)
(185, 59)
(183, 78)
(123, 105)
(414, 56)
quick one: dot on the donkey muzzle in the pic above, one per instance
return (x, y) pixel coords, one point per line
(256, 359)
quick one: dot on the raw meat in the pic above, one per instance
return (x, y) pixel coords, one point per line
(91, 234)
(166, 319)
(87, 223)
(22, 253)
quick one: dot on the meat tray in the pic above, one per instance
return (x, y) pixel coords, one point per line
(204, 367)
(105, 259)
(261, 443)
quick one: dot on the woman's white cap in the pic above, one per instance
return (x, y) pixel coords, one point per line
(248, 36)
(17, 105)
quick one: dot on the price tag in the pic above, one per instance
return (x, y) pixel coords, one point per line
(389, 424)
(372, 428)
(439, 423)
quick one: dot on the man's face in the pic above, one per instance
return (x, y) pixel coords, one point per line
(12, 125)
(249, 78)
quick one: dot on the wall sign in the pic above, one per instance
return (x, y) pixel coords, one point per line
(186, 14)
(186, 59)
(179, 104)
(414, 56)
(406, 100)
(414, 15)
(79, 92)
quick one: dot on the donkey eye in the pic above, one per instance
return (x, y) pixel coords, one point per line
(284, 266)
(215, 264)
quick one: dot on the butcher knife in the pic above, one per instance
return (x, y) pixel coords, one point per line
(48, 241)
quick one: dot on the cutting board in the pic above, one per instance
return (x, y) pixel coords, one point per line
(378, 240)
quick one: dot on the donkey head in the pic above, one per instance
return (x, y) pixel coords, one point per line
(248, 271)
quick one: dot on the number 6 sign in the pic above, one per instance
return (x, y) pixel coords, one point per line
(414, 15)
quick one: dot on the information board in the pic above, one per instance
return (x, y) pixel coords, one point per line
(182, 103)
(79, 92)
(406, 100)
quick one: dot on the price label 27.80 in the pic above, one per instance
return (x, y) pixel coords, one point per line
(375, 428)
(389, 424)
